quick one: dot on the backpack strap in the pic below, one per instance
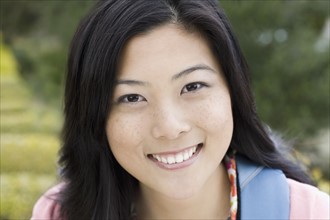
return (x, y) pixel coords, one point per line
(264, 191)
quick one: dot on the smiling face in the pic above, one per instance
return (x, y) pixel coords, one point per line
(171, 122)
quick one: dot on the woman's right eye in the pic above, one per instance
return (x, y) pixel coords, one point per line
(131, 98)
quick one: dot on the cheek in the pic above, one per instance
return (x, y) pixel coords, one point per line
(124, 137)
(124, 133)
(215, 115)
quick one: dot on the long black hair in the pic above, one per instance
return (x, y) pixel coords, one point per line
(97, 187)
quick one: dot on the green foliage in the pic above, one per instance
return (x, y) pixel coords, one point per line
(29, 143)
(20, 112)
(40, 33)
(290, 73)
(45, 18)
(8, 63)
(18, 20)
(44, 69)
(19, 191)
(34, 153)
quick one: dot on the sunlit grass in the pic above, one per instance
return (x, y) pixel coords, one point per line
(34, 153)
(30, 121)
(8, 66)
(19, 191)
(321, 180)
(29, 143)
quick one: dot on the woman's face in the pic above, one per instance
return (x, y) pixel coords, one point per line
(171, 118)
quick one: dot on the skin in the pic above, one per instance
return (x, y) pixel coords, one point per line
(156, 109)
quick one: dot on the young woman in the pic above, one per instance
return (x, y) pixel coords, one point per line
(160, 123)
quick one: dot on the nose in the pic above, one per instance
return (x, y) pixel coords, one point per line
(170, 123)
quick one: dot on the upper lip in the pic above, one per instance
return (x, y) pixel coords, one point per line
(174, 151)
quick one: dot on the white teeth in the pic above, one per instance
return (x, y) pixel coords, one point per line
(177, 158)
(190, 152)
(185, 156)
(170, 160)
(164, 160)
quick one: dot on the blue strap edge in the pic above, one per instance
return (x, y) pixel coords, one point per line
(264, 191)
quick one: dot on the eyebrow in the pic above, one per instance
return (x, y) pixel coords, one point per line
(192, 69)
(131, 82)
(175, 77)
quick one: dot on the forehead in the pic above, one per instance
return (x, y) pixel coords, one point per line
(169, 47)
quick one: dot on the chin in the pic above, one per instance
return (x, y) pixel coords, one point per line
(181, 193)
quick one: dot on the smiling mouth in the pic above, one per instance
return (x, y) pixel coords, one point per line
(176, 158)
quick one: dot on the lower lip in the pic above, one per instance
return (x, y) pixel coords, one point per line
(176, 166)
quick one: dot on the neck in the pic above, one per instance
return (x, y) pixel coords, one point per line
(210, 202)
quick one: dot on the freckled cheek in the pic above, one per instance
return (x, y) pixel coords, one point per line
(214, 115)
(124, 133)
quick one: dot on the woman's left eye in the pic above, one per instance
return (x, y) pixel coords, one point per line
(192, 87)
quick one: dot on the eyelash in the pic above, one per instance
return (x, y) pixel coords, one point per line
(139, 98)
(125, 98)
(199, 85)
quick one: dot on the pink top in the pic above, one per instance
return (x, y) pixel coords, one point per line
(47, 207)
(306, 202)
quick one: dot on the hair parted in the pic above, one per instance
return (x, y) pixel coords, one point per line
(97, 187)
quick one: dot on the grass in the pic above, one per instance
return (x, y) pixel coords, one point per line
(34, 153)
(29, 143)
(19, 191)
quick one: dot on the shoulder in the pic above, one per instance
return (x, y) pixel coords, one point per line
(47, 206)
(307, 202)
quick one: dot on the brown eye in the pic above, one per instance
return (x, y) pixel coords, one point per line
(131, 98)
(192, 87)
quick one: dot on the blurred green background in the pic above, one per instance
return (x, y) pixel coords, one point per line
(286, 44)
